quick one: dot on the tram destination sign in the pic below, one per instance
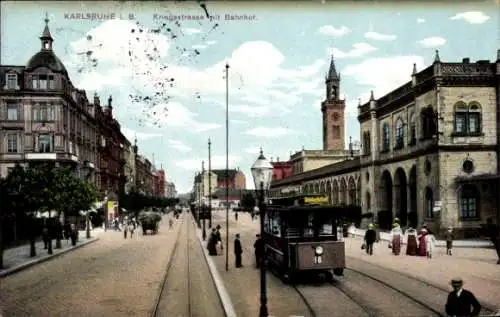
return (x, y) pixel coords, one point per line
(316, 200)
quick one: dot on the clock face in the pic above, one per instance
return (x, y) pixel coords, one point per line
(336, 116)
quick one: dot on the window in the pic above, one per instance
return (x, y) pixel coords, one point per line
(429, 128)
(413, 129)
(11, 81)
(467, 118)
(43, 113)
(51, 82)
(386, 137)
(12, 143)
(12, 112)
(45, 143)
(366, 143)
(469, 202)
(42, 82)
(400, 135)
(34, 82)
(336, 131)
(429, 203)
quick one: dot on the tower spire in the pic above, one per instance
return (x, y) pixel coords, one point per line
(46, 37)
(332, 72)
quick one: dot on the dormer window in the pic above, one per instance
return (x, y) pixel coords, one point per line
(11, 81)
(46, 45)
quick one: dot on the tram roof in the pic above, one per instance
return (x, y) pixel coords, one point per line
(336, 211)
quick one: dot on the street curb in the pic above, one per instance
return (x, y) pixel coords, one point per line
(219, 284)
(31, 263)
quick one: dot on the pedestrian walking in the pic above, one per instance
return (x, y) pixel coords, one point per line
(170, 222)
(238, 250)
(212, 243)
(125, 228)
(461, 302)
(397, 236)
(236, 216)
(449, 240)
(422, 247)
(411, 241)
(494, 235)
(430, 242)
(45, 236)
(131, 229)
(259, 250)
(218, 236)
(370, 237)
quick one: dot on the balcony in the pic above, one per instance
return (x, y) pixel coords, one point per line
(41, 156)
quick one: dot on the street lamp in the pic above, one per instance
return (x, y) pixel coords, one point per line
(262, 172)
(202, 207)
(88, 172)
(210, 183)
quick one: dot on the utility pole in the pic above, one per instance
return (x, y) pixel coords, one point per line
(210, 183)
(227, 167)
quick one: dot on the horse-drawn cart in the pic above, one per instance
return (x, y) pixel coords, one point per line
(150, 220)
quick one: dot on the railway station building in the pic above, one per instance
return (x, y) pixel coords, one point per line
(429, 150)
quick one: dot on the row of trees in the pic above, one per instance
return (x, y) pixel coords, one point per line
(41, 188)
(135, 201)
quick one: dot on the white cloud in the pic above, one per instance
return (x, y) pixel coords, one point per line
(211, 42)
(333, 31)
(217, 161)
(199, 46)
(472, 17)
(176, 115)
(420, 20)
(379, 36)
(253, 150)
(179, 146)
(132, 134)
(381, 75)
(269, 132)
(433, 41)
(190, 31)
(251, 111)
(358, 49)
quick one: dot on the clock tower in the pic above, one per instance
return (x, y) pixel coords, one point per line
(333, 109)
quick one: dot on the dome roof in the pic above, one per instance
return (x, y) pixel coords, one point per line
(46, 59)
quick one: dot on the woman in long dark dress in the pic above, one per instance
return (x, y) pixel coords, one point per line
(411, 242)
(212, 243)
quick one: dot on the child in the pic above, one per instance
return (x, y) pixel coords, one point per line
(449, 241)
(430, 241)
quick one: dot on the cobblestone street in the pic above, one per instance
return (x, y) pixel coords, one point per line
(399, 274)
(111, 277)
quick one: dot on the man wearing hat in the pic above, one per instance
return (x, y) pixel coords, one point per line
(370, 237)
(461, 302)
(238, 250)
(259, 250)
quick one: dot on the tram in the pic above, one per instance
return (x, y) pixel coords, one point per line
(301, 237)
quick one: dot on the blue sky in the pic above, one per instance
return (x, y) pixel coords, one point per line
(277, 65)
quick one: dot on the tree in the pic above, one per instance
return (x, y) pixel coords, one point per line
(247, 201)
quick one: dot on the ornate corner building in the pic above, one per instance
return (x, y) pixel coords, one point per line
(429, 151)
(44, 118)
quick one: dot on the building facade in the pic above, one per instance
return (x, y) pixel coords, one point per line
(235, 179)
(429, 152)
(281, 169)
(144, 175)
(159, 183)
(43, 117)
(170, 191)
(129, 168)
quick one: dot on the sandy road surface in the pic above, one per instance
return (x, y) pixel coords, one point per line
(111, 277)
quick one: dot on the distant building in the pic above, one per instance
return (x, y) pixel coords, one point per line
(281, 169)
(170, 191)
(159, 183)
(236, 179)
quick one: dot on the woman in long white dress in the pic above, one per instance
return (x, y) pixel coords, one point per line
(397, 237)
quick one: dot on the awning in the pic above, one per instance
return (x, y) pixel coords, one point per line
(477, 178)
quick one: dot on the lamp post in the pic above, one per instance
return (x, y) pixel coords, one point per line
(209, 183)
(204, 233)
(227, 167)
(262, 172)
(86, 168)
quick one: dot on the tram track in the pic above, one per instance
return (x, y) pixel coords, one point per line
(161, 292)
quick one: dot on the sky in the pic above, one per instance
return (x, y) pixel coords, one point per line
(164, 65)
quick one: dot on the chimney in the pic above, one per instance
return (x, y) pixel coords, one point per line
(466, 60)
(97, 101)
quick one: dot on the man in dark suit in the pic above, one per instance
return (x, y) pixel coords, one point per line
(461, 302)
(238, 250)
(494, 235)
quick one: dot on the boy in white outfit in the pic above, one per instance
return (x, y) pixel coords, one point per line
(430, 241)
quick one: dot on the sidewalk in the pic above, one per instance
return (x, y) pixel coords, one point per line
(476, 266)
(17, 259)
(386, 236)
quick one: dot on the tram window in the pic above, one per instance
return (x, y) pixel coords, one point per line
(266, 223)
(309, 229)
(326, 227)
(275, 225)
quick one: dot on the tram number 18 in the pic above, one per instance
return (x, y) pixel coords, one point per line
(317, 259)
